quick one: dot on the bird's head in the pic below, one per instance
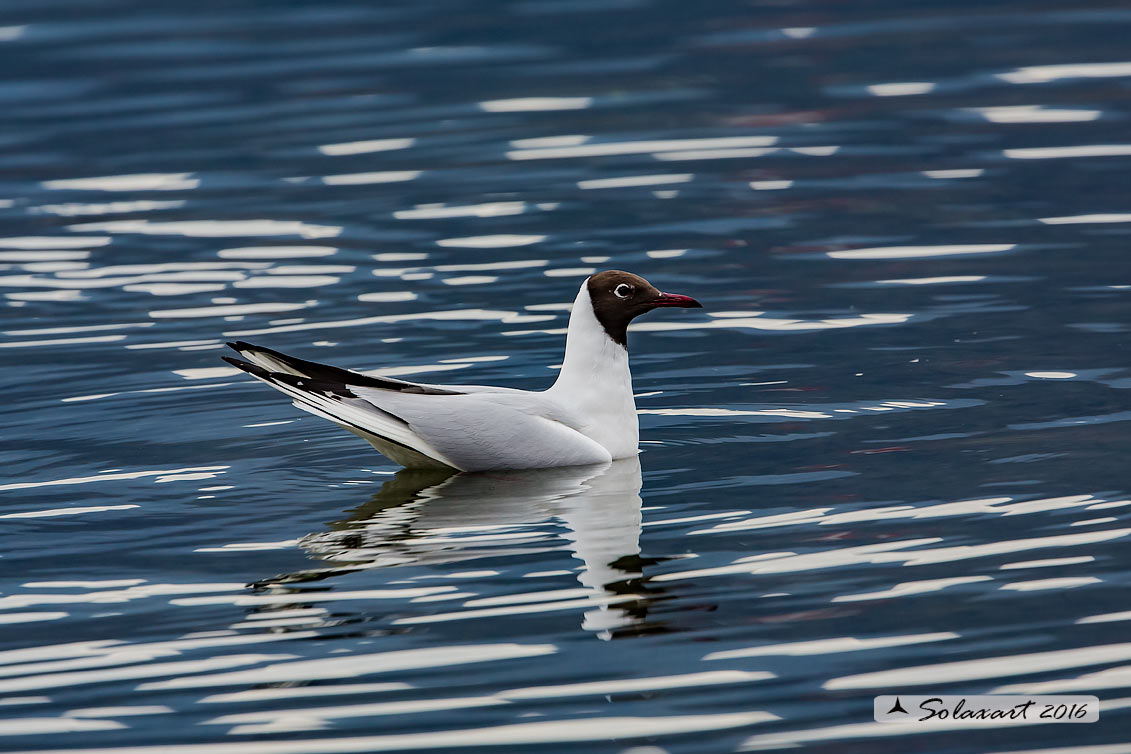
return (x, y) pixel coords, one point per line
(619, 297)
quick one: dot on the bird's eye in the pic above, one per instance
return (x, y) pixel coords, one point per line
(624, 290)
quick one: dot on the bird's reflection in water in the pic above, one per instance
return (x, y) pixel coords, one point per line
(431, 517)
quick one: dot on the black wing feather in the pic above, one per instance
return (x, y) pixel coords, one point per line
(327, 373)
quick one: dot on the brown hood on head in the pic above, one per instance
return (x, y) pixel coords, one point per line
(619, 297)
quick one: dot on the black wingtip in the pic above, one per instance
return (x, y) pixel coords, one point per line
(248, 367)
(311, 384)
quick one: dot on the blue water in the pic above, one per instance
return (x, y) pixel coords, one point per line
(888, 456)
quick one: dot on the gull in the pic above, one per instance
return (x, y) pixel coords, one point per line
(588, 416)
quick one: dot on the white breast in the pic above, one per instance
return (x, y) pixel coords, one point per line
(595, 382)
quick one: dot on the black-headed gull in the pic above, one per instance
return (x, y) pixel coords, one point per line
(587, 416)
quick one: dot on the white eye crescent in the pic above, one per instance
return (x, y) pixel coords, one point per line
(624, 290)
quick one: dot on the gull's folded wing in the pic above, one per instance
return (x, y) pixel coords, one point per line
(423, 425)
(492, 430)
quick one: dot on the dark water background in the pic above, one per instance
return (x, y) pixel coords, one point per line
(890, 454)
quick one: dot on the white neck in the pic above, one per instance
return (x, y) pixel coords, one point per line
(595, 381)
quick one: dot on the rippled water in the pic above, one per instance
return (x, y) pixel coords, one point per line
(890, 454)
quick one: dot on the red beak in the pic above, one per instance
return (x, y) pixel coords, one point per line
(674, 299)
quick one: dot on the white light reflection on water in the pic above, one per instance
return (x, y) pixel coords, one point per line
(140, 182)
(1004, 506)
(942, 280)
(911, 587)
(1034, 114)
(52, 242)
(291, 692)
(468, 315)
(712, 154)
(1038, 585)
(276, 252)
(535, 104)
(229, 310)
(771, 185)
(902, 89)
(440, 211)
(830, 646)
(68, 511)
(42, 256)
(365, 147)
(470, 280)
(917, 252)
(361, 179)
(32, 725)
(885, 553)
(1042, 74)
(62, 341)
(584, 729)
(356, 665)
(1110, 217)
(503, 241)
(77, 209)
(317, 718)
(955, 173)
(990, 667)
(104, 477)
(8, 618)
(771, 323)
(597, 688)
(631, 181)
(543, 151)
(1060, 153)
(213, 228)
